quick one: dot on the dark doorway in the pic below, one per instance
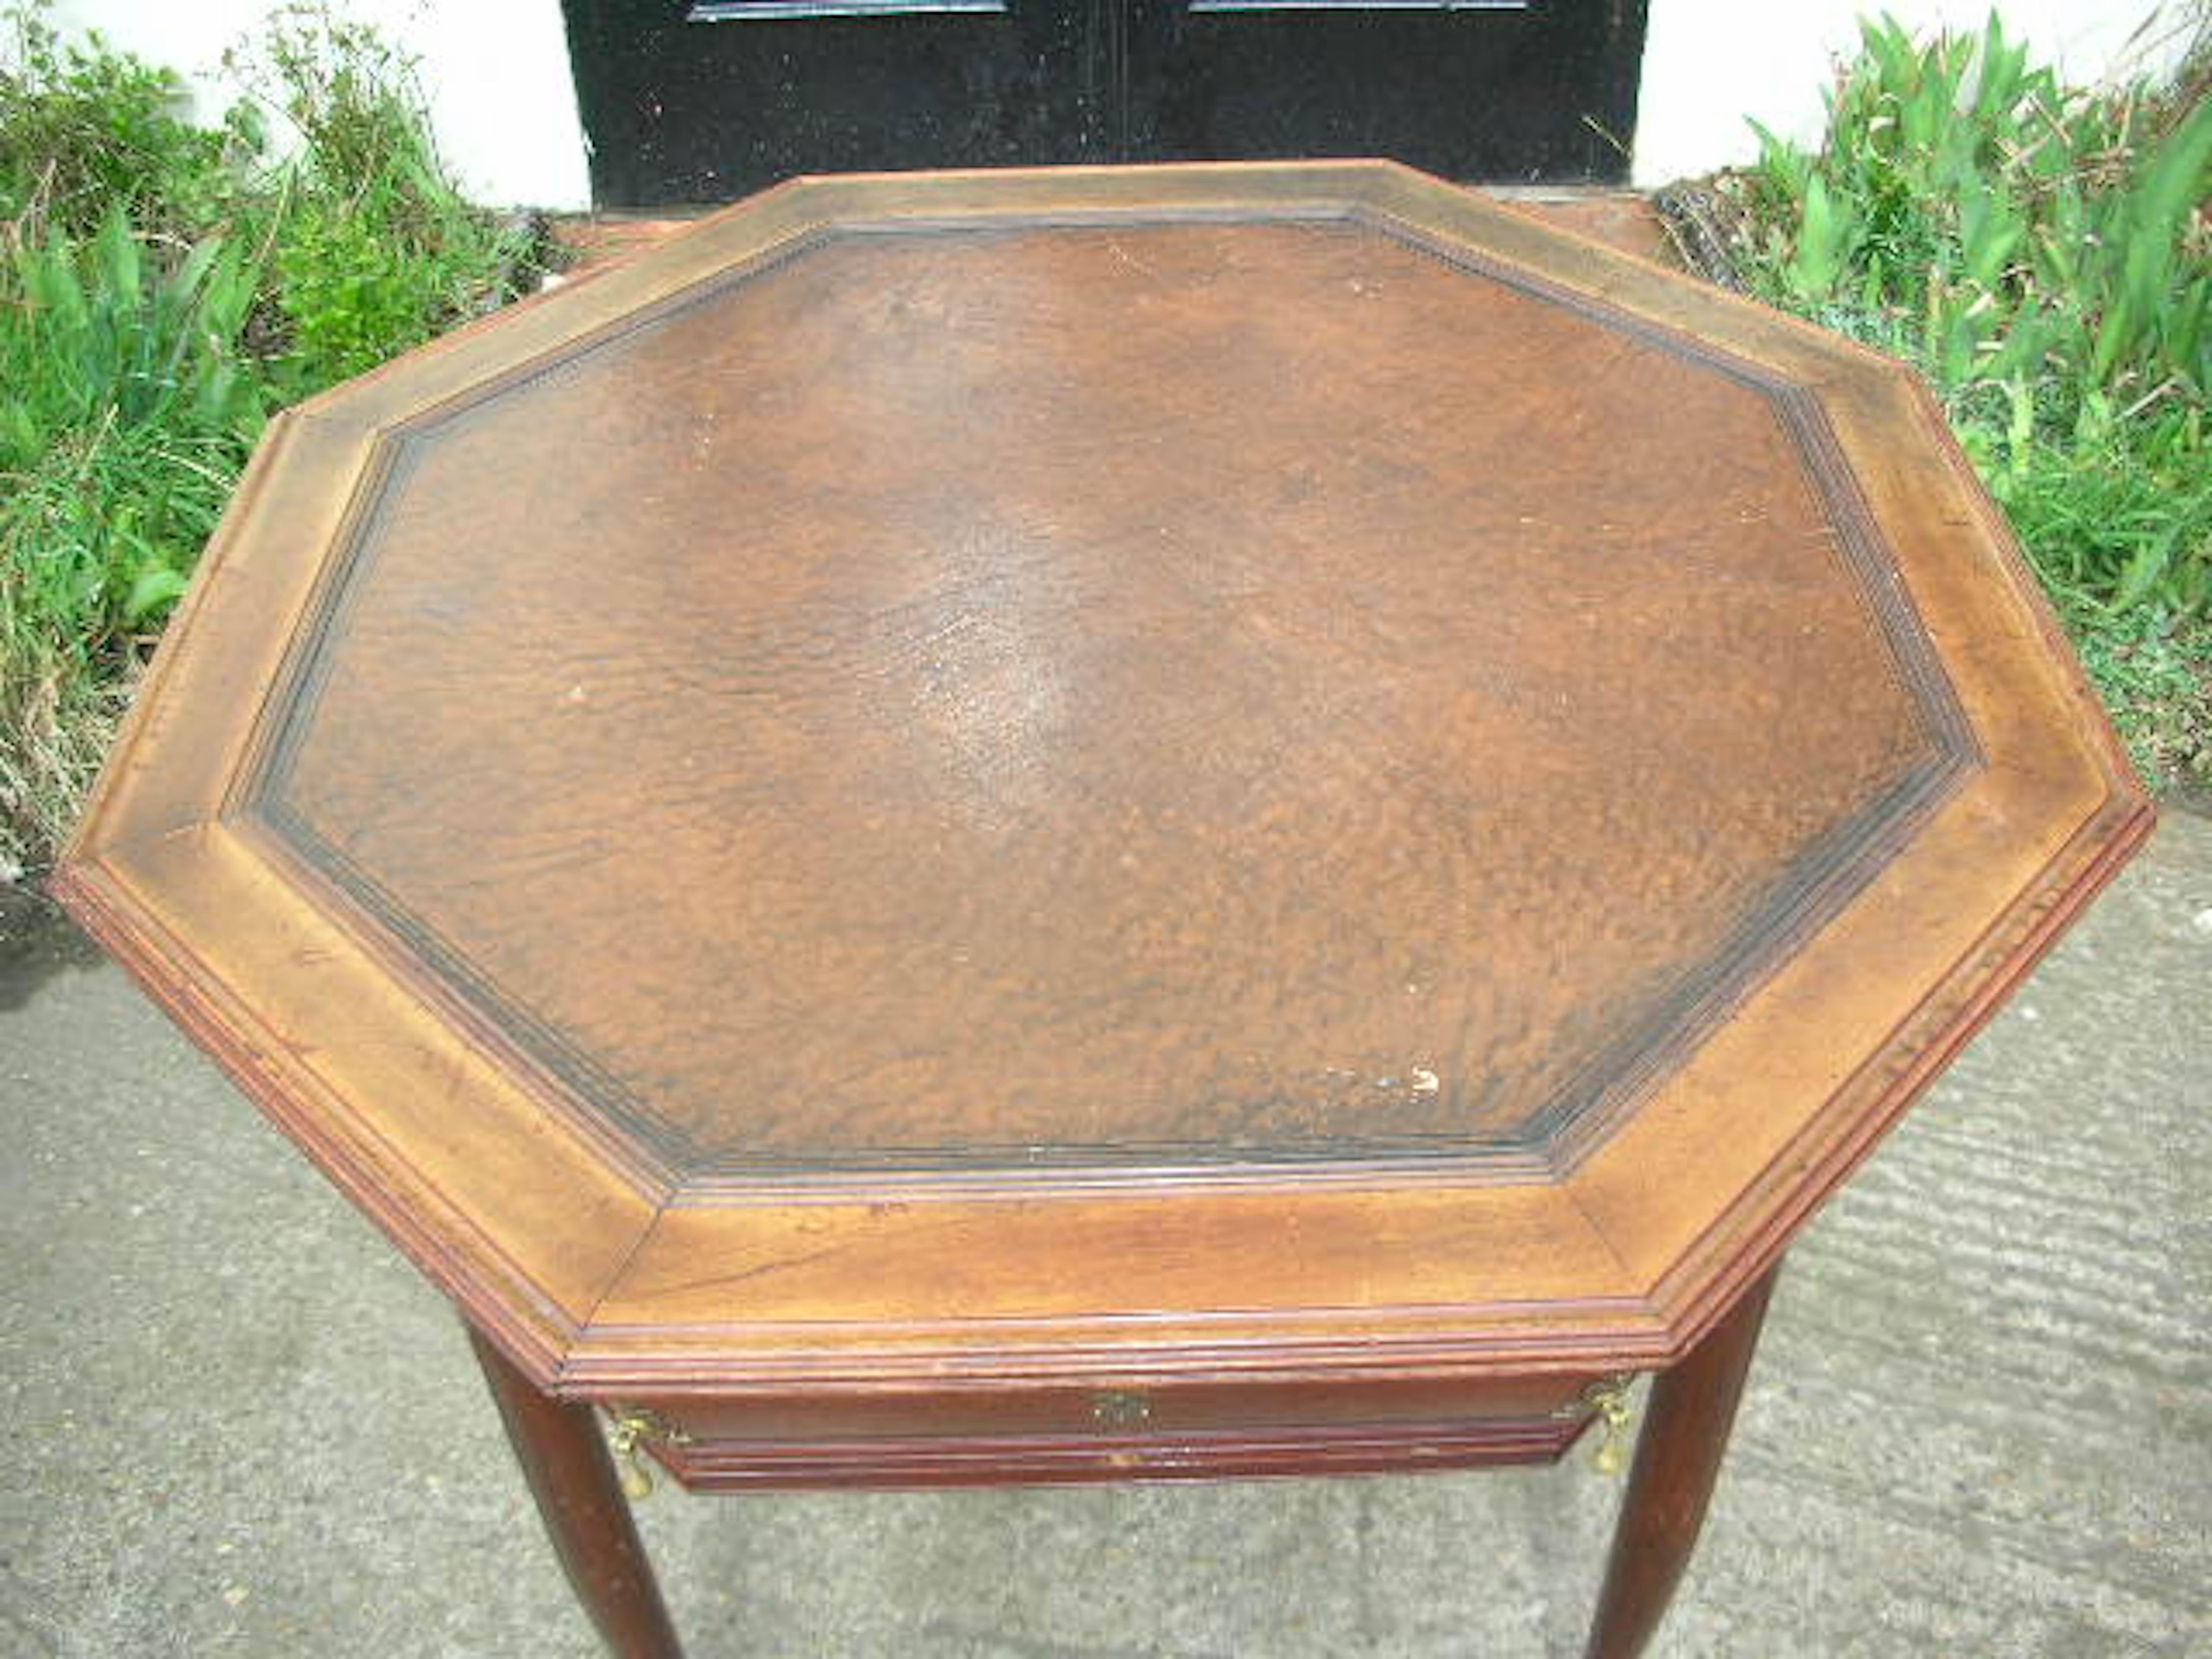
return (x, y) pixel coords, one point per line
(706, 100)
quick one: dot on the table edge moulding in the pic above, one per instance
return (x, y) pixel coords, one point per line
(1141, 1317)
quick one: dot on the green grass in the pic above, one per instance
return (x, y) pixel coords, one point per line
(162, 289)
(2040, 252)
(379, 251)
(126, 425)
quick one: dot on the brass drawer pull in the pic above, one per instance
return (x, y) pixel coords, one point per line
(1606, 1398)
(633, 1426)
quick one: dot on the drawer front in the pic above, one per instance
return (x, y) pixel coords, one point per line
(1121, 1431)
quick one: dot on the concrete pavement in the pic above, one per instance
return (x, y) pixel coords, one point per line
(1980, 1424)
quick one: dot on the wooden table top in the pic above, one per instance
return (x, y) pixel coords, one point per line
(1259, 770)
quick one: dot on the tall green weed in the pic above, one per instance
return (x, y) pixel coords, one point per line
(2042, 253)
(162, 289)
(85, 130)
(380, 249)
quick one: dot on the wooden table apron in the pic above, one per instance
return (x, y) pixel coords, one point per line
(1678, 1458)
(1114, 823)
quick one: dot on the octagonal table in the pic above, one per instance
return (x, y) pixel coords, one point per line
(1105, 825)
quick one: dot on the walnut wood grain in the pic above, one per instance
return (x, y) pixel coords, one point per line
(1128, 1431)
(1261, 775)
(858, 1416)
(1111, 826)
(1678, 1458)
(927, 1461)
(588, 1520)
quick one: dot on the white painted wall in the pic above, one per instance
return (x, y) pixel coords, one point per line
(496, 75)
(1709, 64)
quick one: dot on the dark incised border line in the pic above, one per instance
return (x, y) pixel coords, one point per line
(1546, 1143)
(652, 1152)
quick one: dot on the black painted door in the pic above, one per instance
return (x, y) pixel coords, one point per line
(701, 102)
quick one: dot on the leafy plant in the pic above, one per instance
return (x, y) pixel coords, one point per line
(381, 250)
(162, 288)
(350, 297)
(2040, 252)
(128, 418)
(88, 129)
(133, 419)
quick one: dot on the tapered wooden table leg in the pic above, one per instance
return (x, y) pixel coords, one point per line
(1686, 1430)
(573, 1478)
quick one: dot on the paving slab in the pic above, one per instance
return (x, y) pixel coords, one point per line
(1980, 1425)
